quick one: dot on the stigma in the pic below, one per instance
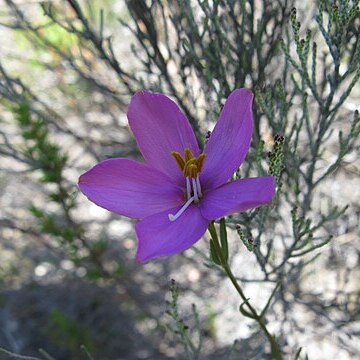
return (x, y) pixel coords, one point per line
(191, 167)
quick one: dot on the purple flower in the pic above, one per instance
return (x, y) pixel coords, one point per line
(179, 189)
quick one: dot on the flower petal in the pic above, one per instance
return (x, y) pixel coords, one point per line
(160, 127)
(158, 236)
(238, 196)
(130, 188)
(230, 140)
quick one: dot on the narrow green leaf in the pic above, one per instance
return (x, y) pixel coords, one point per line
(269, 300)
(297, 356)
(245, 312)
(224, 240)
(213, 255)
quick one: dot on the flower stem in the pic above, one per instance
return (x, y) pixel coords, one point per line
(252, 313)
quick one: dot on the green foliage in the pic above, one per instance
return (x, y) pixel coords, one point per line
(68, 333)
(213, 255)
(308, 128)
(303, 231)
(337, 34)
(181, 330)
(50, 224)
(248, 241)
(274, 102)
(38, 148)
(219, 251)
(223, 239)
(277, 159)
(49, 160)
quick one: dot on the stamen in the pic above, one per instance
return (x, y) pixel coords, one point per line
(196, 197)
(180, 212)
(198, 186)
(200, 161)
(179, 160)
(188, 154)
(188, 188)
(189, 167)
(193, 171)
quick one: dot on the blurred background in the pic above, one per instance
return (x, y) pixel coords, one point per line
(70, 287)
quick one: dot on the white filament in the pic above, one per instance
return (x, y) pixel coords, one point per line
(193, 193)
(185, 206)
(195, 189)
(198, 186)
(188, 188)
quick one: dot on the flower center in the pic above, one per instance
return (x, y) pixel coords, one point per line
(191, 167)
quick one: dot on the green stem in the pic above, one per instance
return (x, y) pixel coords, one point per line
(275, 349)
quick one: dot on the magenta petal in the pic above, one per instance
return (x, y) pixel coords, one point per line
(238, 196)
(160, 127)
(230, 140)
(158, 236)
(130, 188)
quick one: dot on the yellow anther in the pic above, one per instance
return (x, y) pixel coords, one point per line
(200, 161)
(190, 165)
(179, 160)
(192, 170)
(188, 155)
